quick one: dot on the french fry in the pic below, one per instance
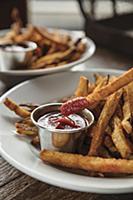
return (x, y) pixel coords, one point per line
(112, 87)
(98, 78)
(82, 89)
(80, 103)
(126, 122)
(120, 141)
(25, 129)
(110, 145)
(99, 129)
(101, 81)
(130, 96)
(47, 36)
(88, 163)
(26, 35)
(36, 142)
(16, 108)
(51, 58)
(91, 87)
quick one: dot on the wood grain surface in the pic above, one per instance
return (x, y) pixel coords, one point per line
(14, 185)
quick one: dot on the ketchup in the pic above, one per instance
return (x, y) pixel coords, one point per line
(55, 120)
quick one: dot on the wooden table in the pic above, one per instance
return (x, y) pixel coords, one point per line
(14, 185)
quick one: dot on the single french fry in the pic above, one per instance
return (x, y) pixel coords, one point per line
(120, 141)
(26, 35)
(102, 81)
(82, 89)
(98, 78)
(130, 96)
(16, 108)
(110, 145)
(99, 129)
(104, 153)
(126, 111)
(36, 142)
(88, 163)
(91, 87)
(26, 128)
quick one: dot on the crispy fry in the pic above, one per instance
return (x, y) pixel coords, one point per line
(82, 89)
(120, 141)
(101, 125)
(88, 163)
(26, 35)
(26, 127)
(130, 96)
(49, 37)
(91, 87)
(98, 78)
(80, 103)
(110, 145)
(112, 87)
(57, 55)
(126, 111)
(36, 142)
(16, 108)
(102, 81)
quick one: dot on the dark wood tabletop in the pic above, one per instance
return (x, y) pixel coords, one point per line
(14, 185)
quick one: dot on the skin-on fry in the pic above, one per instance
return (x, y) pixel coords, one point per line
(126, 111)
(52, 57)
(130, 96)
(110, 146)
(78, 104)
(99, 129)
(16, 108)
(47, 36)
(82, 89)
(88, 163)
(98, 78)
(113, 86)
(26, 35)
(120, 141)
(36, 142)
(25, 129)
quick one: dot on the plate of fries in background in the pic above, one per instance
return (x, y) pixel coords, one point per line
(57, 50)
(103, 161)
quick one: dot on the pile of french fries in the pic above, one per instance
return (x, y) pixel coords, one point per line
(107, 147)
(54, 47)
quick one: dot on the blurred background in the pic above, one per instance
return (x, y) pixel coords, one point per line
(107, 22)
(58, 13)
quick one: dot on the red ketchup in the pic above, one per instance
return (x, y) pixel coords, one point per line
(74, 106)
(55, 120)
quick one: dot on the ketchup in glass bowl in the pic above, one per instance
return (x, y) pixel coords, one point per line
(58, 132)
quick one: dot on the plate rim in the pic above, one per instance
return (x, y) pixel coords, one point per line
(99, 188)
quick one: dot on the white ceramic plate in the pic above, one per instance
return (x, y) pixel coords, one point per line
(18, 152)
(17, 75)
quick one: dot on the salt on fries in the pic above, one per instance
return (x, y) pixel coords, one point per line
(109, 141)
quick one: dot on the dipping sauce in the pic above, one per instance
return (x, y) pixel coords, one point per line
(14, 47)
(55, 120)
